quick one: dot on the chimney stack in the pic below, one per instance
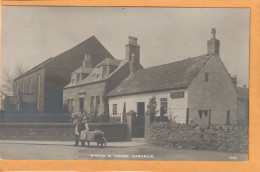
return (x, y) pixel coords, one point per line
(234, 80)
(213, 43)
(133, 48)
(133, 54)
(87, 62)
(132, 64)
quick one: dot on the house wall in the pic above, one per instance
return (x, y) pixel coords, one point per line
(218, 94)
(34, 78)
(95, 89)
(242, 106)
(176, 106)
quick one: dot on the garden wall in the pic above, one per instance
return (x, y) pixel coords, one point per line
(184, 136)
(59, 132)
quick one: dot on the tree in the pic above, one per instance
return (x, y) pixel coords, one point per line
(7, 79)
(152, 105)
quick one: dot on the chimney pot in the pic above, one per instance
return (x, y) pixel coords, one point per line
(213, 32)
(213, 43)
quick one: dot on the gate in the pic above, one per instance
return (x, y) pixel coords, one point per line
(139, 121)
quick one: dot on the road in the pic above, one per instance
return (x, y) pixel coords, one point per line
(51, 150)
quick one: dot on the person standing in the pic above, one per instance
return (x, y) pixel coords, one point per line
(81, 126)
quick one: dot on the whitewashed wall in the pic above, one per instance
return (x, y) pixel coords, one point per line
(176, 107)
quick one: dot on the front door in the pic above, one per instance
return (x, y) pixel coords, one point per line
(81, 104)
(139, 129)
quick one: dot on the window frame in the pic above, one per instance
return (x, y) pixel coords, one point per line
(163, 102)
(114, 109)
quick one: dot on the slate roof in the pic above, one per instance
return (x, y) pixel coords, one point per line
(168, 76)
(91, 78)
(109, 62)
(82, 69)
(243, 93)
(71, 59)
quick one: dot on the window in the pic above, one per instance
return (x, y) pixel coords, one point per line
(114, 109)
(164, 105)
(73, 81)
(92, 103)
(228, 117)
(77, 77)
(98, 72)
(206, 76)
(70, 103)
(97, 102)
(30, 85)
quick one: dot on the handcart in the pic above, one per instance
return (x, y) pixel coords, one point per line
(93, 136)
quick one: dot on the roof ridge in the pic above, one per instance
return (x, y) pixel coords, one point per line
(205, 55)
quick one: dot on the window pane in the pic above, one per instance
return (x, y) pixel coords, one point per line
(114, 109)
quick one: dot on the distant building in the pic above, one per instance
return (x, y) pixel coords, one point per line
(90, 83)
(194, 90)
(41, 87)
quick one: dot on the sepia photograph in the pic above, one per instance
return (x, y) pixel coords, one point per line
(124, 83)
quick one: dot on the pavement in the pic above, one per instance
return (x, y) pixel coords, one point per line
(69, 143)
(63, 150)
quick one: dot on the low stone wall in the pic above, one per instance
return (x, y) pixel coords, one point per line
(59, 132)
(183, 136)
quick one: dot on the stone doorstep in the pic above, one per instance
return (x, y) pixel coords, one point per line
(141, 140)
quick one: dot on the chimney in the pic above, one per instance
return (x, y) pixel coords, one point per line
(132, 64)
(87, 62)
(234, 80)
(133, 48)
(213, 43)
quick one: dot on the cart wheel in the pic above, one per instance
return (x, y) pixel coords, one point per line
(102, 142)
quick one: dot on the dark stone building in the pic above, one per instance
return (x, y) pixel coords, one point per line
(42, 86)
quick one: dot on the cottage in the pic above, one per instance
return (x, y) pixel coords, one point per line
(90, 83)
(45, 82)
(193, 90)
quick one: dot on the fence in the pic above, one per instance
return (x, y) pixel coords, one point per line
(117, 118)
(34, 117)
(54, 117)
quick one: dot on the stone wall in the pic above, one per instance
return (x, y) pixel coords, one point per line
(59, 132)
(183, 136)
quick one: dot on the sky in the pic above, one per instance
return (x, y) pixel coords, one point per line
(31, 35)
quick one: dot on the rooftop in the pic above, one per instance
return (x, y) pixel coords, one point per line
(168, 76)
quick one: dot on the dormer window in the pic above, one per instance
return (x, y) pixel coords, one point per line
(73, 81)
(98, 72)
(77, 77)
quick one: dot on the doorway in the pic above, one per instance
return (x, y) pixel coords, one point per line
(81, 104)
(139, 127)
